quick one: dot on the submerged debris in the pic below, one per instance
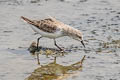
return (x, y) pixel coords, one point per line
(44, 51)
(109, 47)
(112, 44)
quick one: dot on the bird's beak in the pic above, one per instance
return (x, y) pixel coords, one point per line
(83, 44)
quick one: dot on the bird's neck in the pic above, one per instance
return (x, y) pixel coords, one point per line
(70, 31)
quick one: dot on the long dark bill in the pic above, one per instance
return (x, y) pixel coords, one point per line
(83, 44)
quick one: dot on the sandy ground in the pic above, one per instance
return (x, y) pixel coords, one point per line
(98, 20)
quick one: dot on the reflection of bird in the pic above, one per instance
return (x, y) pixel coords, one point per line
(55, 71)
(52, 28)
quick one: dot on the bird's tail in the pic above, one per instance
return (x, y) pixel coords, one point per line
(27, 20)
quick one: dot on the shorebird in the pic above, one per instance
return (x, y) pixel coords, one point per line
(52, 28)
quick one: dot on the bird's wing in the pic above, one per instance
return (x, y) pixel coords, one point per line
(47, 25)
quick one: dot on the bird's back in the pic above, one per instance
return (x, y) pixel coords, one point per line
(47, 27)
(51, 26)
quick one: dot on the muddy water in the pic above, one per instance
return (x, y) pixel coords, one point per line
(98, 20)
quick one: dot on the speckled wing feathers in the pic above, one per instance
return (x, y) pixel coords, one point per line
(46, 25)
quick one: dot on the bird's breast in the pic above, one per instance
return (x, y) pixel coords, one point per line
(52, 35)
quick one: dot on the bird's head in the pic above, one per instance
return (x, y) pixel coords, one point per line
(78, 37)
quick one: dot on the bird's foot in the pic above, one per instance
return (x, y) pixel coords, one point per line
(38, 63)
(62, 51)
(37, 49)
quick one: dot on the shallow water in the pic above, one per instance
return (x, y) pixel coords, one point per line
(98, 20)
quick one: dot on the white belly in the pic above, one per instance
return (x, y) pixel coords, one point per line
(46, 34)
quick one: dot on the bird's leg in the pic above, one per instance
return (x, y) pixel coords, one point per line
(38, 59)
(38, 43)
(38, 50)
(55, 59)
(58, 47)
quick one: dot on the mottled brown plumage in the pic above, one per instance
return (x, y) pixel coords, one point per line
(47, 25)
(53, 29)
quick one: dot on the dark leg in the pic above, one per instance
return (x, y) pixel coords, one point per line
(57, 45)
(38, 59)
(38, 43)
(38, 49)
(55, 60)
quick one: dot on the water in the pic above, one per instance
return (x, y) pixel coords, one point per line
(98, 20)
